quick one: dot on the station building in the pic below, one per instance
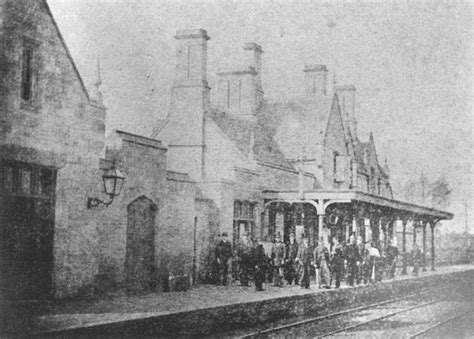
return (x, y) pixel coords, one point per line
(237, 163)
(280, 167)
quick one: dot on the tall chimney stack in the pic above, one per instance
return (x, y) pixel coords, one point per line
(240, 92)
(190, 100)
(315, 80)
(253, 53)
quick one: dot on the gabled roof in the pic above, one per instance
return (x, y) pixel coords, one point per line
(298, 124)
(66, 49)
(360, 149)
(239, 131)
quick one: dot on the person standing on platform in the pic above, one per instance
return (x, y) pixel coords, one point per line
(244, 260)
(353, 260)
(291, 270)
(337, 261)
(392, 254)
(417, 259)
(321, 257)
(374, 263)
(259, 261)
(305, 260)
(361, 271)
(223, 253)
(278, 259)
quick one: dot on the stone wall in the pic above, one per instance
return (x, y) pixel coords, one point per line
(59, 127)
(143, 161)
(176, 239)
(206, 239)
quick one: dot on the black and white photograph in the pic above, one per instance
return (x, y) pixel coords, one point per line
(236, 169)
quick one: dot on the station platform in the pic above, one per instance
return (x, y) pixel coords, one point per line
(208, 308)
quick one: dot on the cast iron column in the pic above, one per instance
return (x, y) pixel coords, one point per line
(424, 245)
(432, 224)
(354, 225)
(414, 234)
(404, 247)
(320, 226)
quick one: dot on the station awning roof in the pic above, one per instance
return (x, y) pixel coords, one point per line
(345, 196)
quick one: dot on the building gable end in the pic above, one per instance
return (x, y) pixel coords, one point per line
(66, 49)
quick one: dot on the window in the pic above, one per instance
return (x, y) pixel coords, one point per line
(20, 179)
(27, 74)
(244, 218)
(340, 167)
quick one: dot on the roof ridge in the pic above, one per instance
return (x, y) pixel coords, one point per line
(68, 53)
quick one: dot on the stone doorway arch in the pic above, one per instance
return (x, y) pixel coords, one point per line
(140, 250)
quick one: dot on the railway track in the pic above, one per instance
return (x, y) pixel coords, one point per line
(438, 324)
(315, 320)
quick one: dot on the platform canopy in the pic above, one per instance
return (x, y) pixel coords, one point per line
(373, 217)
(321, 199)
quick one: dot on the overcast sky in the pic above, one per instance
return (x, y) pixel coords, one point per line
(411, 65)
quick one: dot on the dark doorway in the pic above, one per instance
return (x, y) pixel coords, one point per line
(27, 205)
(140, 257)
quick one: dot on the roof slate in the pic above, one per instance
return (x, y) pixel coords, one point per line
(239, 131)
(298, 124)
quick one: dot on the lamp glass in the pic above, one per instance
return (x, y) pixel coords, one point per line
(113, 181)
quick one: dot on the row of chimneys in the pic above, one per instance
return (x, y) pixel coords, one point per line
(240, 92)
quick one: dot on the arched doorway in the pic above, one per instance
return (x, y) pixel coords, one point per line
(140, 257)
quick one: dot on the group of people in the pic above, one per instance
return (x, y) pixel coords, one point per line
(356, 262)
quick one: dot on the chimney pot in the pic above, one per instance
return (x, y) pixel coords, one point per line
(191, 34)
(315, 80)
(315, 68)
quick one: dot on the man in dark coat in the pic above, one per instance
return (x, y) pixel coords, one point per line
(337, 261)
(291, 270)
(244, 262)
(305, 259)
(392, 253)
(223, 254)
(278, 259)
(353, 260)
(259, 261)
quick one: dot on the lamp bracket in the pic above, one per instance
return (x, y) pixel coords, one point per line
(94, 202)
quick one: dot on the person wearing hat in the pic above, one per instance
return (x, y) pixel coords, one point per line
(321, 257)
(337, 261)
(243, 257)
(305, 259)
(374, 262)
(417, 257)
(353, 260)
(392, 253)
(259, 261)
(278, 258)
(223, 253)
(291, 253)
(363, 261)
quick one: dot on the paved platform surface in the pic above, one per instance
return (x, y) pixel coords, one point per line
(71, 314)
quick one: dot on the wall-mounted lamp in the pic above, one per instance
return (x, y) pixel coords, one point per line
(113, 181)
